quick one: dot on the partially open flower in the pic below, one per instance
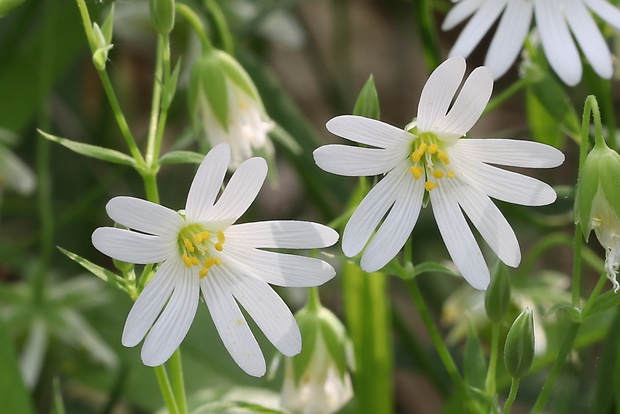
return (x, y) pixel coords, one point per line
(597, 204)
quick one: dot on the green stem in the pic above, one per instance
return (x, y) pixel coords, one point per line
(178, 383)
(150, 185)
(558, 364)
(166, 390)
(314, 300)
(221, 25)
(514, 387)
(158, 80)
(585, 312)
(441, 348)
(505, 95)
(428, 33)
(107, 86)
(196, 24)
(490, 384)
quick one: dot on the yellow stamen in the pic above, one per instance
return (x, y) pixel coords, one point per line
(200, 237)
(451, 174)
(203, 272)
(417, 172)
(433, 148)
(186, 260)
(429, 185)
(220, 237)
(212, 261)
(188, 245)
(194, 261)
(443, 157)
(416, 156)
(438, 174)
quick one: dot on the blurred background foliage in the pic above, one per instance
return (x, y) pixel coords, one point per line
(309, 60)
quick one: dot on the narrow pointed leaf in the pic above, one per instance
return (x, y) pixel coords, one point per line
(93, 151)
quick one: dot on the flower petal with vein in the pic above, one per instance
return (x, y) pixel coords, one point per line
(201, 251)
(430, 158)
(558, 21)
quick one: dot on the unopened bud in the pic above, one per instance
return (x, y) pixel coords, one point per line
(162, 15)
(519, 347)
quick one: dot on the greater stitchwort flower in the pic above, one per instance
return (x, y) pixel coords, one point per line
(558, 21)
(200, 249)
(428, 158)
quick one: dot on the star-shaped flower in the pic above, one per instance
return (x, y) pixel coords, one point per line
(200, 249)
(558, 21)
(428, 157)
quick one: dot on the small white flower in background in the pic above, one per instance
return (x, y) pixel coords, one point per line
(201, 250)
(225, 100)
(558, 21)
(317, 381)
(429, 158)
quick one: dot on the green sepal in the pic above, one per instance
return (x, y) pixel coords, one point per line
(474, 364)
(7, 5)
(497, 296)
(170, 88)
(309, 328)
(334, 335)
(519, 346)
(182, 157)
(103, 274)
(162, 15)
(208, 80)
(239, 76)
(108, 26)
(598, 184)
(93, 151)
(367, 103)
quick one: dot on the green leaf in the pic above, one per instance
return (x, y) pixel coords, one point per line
(367, 103)
(13, 397)
(544, 127)
(93, 151)
(100, 272)
(170, 88)
(282, 136)
(182, 157)
(606, 301)
(428, 267)
(574, 313)
(108, 26)
(474, 365)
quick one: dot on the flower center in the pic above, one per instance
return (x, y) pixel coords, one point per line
(200, 247)
(429, 160)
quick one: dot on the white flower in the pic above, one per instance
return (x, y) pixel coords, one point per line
(201, 250)
(428, 157)
(558, 21)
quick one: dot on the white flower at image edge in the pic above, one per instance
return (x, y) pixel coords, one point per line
(429, 157)
(561, 23)
(202, 250)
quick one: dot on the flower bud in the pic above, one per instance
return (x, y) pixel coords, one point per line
(317, 380)
(497, 296)
(162, 15)
(597, 204)
(367, 103)
(225, 101)
(519, 347)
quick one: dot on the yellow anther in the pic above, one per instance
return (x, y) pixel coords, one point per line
(194, 261)
(416, 155)
(438, 174)
(186, 260)
(451, 174)
(200, 237)
(429, 185)
(203, 272)
(188, 245)
(220, 237)
(443, 157)
(417, 172)
(219, 246)
(433, 148)
(212, 261)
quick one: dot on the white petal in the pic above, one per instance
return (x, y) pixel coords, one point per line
(438, 93)
(469, 105)
(281, 234)
(489, 221)
(149, 304)
(130, 246)
(356, 161)
(368, 131)
(606, 11)
(240, 192)
(145, 216)
(269, 312)
(459, 239)
(557, 41)
(510, 152)
(231, 324)
(503, 185)
(477, 27)
(509, 37)
(589, 37)
(371, 210)
(278, 268)
(460, 12)
(397, 226)
(172, 325)
(207, 182)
